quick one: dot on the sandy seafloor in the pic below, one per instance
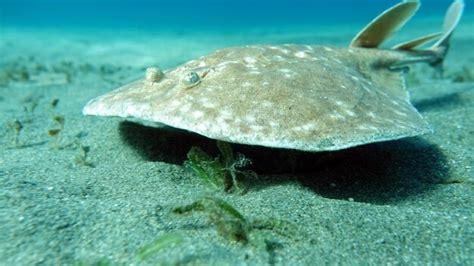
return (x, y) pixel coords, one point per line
(401, 202)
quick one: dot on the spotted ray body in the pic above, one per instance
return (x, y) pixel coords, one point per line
(304, 97)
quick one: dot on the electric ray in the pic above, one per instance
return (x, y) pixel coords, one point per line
(303, 97)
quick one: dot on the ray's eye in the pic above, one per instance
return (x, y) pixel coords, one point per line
(191, 78)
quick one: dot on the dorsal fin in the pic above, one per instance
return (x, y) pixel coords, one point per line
(386, 24)
(441, 47)
(451, 20)
(435, 54)
(412, 44)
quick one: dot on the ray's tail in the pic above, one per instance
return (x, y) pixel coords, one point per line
(390, 21)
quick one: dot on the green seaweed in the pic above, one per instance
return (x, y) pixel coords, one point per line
(221, 172)
(81, 157)
(228, 221)
(207, 169)
(30, 103)
(163, 242)
(464, 75)
(232, 165)
(212, 205)
(28, 69)
(65, 68)
(15, 126)
(60, 120)
(271, 247)
(281, 227)
(54, 103)
(96, 262)
(226, 152)
(18, 70)
(228, 209)
(232, 224)
(56, 131)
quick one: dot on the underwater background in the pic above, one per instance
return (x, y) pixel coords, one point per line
(77, 190)
(195, 15)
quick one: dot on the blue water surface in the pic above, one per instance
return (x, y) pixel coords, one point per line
(202, 14)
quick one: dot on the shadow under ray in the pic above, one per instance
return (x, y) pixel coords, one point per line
(378, 173)
(442, 102)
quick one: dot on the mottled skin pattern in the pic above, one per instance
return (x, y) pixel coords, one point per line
(312, 98)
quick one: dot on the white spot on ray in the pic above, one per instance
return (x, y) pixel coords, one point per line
(197, 114)
(400, 113)
(279, 58)
(175, 103)
(201, 127)
(395, 102)
(306, 127)
(300, 54)
(337, 116)
(254, 69)
(219, 127)
(285, 70)
(250, 119)
(366, 89)
(250, 60)
(256, 127)
(226, 113)
(384, 94)
(177, 120)
(273, 124)
(208, 104)
(355, 78)
(349, 113)
(363, 127)
(185, 108)
(221, 120)
(225, 63)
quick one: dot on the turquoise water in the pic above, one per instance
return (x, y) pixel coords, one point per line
(163, 14)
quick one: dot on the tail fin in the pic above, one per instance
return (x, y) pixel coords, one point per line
(451, 20)
(385, 25)
(435, 54)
